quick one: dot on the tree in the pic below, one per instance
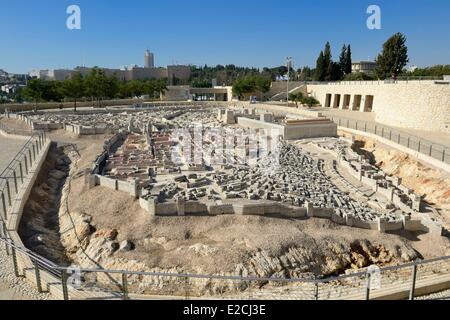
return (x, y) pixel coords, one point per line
(359, 76)
(35, 91)
(113, 86)
(327, 62)
(251, 85)
(161, 86)
(310, 101)
(320, 68)
(335, 71)
(306, 74)
(343, 59)
(296, 97)
(348, 61)
(97, 85)
(74, 88)
(393, 58)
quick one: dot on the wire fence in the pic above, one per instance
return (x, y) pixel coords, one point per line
(434, 150)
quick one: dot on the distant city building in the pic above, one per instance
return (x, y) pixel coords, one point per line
(4, 76)
(133, 72)
(363, 66)
(178, 72)
(149, 59)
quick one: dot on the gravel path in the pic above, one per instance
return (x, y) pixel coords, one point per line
(12, 288)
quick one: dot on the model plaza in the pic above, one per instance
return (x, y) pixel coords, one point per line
(212, 160)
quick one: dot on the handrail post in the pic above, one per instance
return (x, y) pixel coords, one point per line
(5, 212)
(26, 164)
(64, 284)
(21, 172)
(5, 232)
(14, 259)
(38, 276)
(125, 286)
(443, 155)
(316, 291)
(368, 274)
(16, 188)
(186, 289)
(8, 192)
(413, 282)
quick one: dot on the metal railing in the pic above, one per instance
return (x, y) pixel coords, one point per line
(124, 284)
(14, 175)
(15, 131)
(434, 150)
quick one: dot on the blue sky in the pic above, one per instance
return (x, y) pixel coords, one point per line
(243, 32)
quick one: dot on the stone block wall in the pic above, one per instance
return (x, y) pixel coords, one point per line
(421, 105)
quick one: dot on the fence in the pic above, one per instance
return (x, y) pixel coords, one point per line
(397, 282)
(13, 176)
(415, 143)
(13, 131)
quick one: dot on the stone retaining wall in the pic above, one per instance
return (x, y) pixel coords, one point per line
(421, 105)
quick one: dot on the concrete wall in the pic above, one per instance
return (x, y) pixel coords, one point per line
(16, 211)
(421, 105)
(257, 124)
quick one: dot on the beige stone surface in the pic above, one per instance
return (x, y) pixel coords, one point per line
(415, 104)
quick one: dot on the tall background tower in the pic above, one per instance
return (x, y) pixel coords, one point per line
(149, 59)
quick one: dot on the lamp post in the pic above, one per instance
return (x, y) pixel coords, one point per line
(288, 64)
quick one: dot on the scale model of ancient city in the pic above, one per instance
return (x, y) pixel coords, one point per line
(218, 192)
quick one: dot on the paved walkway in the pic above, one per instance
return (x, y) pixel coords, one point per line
(9, 148)
(435, 137)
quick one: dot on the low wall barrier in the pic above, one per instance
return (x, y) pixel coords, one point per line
(16, 173)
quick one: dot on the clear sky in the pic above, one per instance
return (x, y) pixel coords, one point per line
(243, 32)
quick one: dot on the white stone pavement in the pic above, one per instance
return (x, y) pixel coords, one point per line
(9, 147)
